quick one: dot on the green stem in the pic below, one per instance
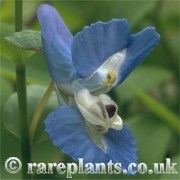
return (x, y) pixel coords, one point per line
(18, 15)
(24, 131)
(22, 99)
(39, 110)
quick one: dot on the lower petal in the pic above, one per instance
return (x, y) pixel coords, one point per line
(66, 129)
(120, 146)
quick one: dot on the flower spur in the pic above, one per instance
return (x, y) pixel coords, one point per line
(84, 68)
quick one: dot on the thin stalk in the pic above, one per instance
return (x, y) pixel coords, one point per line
(24, 131)
(18, 15)
(22, 99)
(39, 110)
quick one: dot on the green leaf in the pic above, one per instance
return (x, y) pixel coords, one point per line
(134, 11)
(7, 139)
(145, 77)
(153, 139)
(14, 47)
(5, 91)
(159, 109)
(149, 132)
(175, 159)
(34, 75)
(41, 149)
(34, 95)
(12, 53)
(27, 39)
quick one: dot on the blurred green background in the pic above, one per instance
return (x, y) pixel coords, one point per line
(148, 100)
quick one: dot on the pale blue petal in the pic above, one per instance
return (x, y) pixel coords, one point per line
(94, 83)
(66, 129)
(57, 41)
(120, 146)
(96, 43)
(140, 45)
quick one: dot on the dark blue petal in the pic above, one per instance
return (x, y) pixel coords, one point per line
(66, 129)
(96, 43)
(57, 41)
(140, 45)
(120, 146)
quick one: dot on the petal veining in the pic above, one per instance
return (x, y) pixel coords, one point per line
(57, 41)
(96, 43)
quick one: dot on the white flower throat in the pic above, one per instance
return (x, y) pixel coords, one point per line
(100, 111)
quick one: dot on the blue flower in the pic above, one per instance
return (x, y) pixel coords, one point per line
(84, 67)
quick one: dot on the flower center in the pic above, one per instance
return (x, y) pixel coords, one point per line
(100, 111)
(110, 78)
(111, 110)
(103, 78)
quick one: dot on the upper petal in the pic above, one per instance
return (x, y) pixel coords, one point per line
(120, 146)
(140, 45)
(57, 41)
(66, 128)
(96, 43)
